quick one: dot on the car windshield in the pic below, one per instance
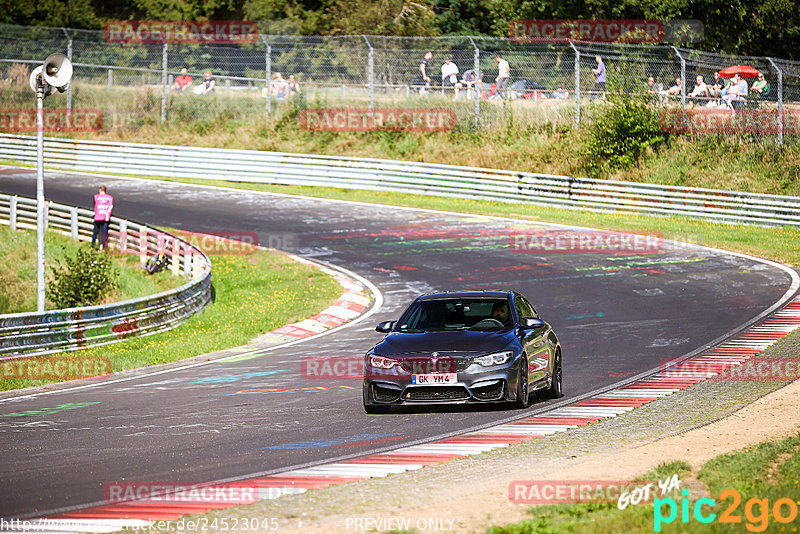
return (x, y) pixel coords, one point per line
(456, 314)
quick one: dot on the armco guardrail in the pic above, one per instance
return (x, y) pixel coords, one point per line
(36, 333)
(406, 177)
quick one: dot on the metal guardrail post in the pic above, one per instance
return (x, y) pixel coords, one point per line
(142, 245)
(683, 76)
(110, 78)
(123, 236)
(780, 100)
(187, 261)
(476, 64)
(268, 70)
(73, 223)
(371, 75)
(164, 58)
(577, 84)
(195, 267)
(12, 213)
(69, 86)
(175, 260)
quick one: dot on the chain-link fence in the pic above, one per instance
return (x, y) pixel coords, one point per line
(134, 85)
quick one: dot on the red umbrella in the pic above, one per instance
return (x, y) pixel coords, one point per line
(744, 70)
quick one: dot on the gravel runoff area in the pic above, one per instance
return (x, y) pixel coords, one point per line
(469, 495)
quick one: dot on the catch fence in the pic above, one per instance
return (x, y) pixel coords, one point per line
(550, 83)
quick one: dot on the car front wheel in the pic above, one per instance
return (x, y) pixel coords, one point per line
(523, 394)
(555, 390)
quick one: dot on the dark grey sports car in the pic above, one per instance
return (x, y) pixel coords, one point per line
(462, 347)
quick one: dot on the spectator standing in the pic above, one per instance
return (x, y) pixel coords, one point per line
(450, 76)
(599, 76)
(503, 75)
(182, 81)
(292, 88)
(103, 205)
(423, 80)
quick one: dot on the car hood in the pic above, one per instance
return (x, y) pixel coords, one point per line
(397, 343)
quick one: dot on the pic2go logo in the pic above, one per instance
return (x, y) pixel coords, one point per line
(756, 511)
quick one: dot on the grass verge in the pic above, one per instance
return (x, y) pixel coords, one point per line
(18, 270)
(761, 476)
(253, 294)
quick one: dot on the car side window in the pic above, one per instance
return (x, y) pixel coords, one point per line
(529, 305)
(523, 308)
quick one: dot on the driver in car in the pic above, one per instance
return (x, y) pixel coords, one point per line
(500, 312)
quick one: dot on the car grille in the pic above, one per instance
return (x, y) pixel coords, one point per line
(490, 392)
(436, 393)
(382, 394)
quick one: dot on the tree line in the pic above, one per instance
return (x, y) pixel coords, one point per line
(742, 27)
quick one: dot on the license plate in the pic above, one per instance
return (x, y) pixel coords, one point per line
(436, 379)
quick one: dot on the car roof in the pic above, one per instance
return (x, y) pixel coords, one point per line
(465, 294)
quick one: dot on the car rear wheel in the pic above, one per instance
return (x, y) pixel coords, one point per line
(523, 393)
(555, 390)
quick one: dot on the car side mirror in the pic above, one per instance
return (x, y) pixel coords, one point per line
(385, 327)
(532, 322)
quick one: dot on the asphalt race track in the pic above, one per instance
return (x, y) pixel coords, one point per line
(616, 316)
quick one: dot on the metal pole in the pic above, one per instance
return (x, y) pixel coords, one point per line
(577, 84)
(476, 64)
(69, 87)
(40, 207)
(164, 84)
(12, 215)
(371, 75)
(780, 100)
(683, 77)
(268, 66)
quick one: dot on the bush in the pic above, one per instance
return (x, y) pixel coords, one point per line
(620, 132)
(83, 280)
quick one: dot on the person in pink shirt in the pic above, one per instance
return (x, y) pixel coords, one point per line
(103, 204)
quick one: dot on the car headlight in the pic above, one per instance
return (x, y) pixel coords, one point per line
(496, 358)
(380, 362)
